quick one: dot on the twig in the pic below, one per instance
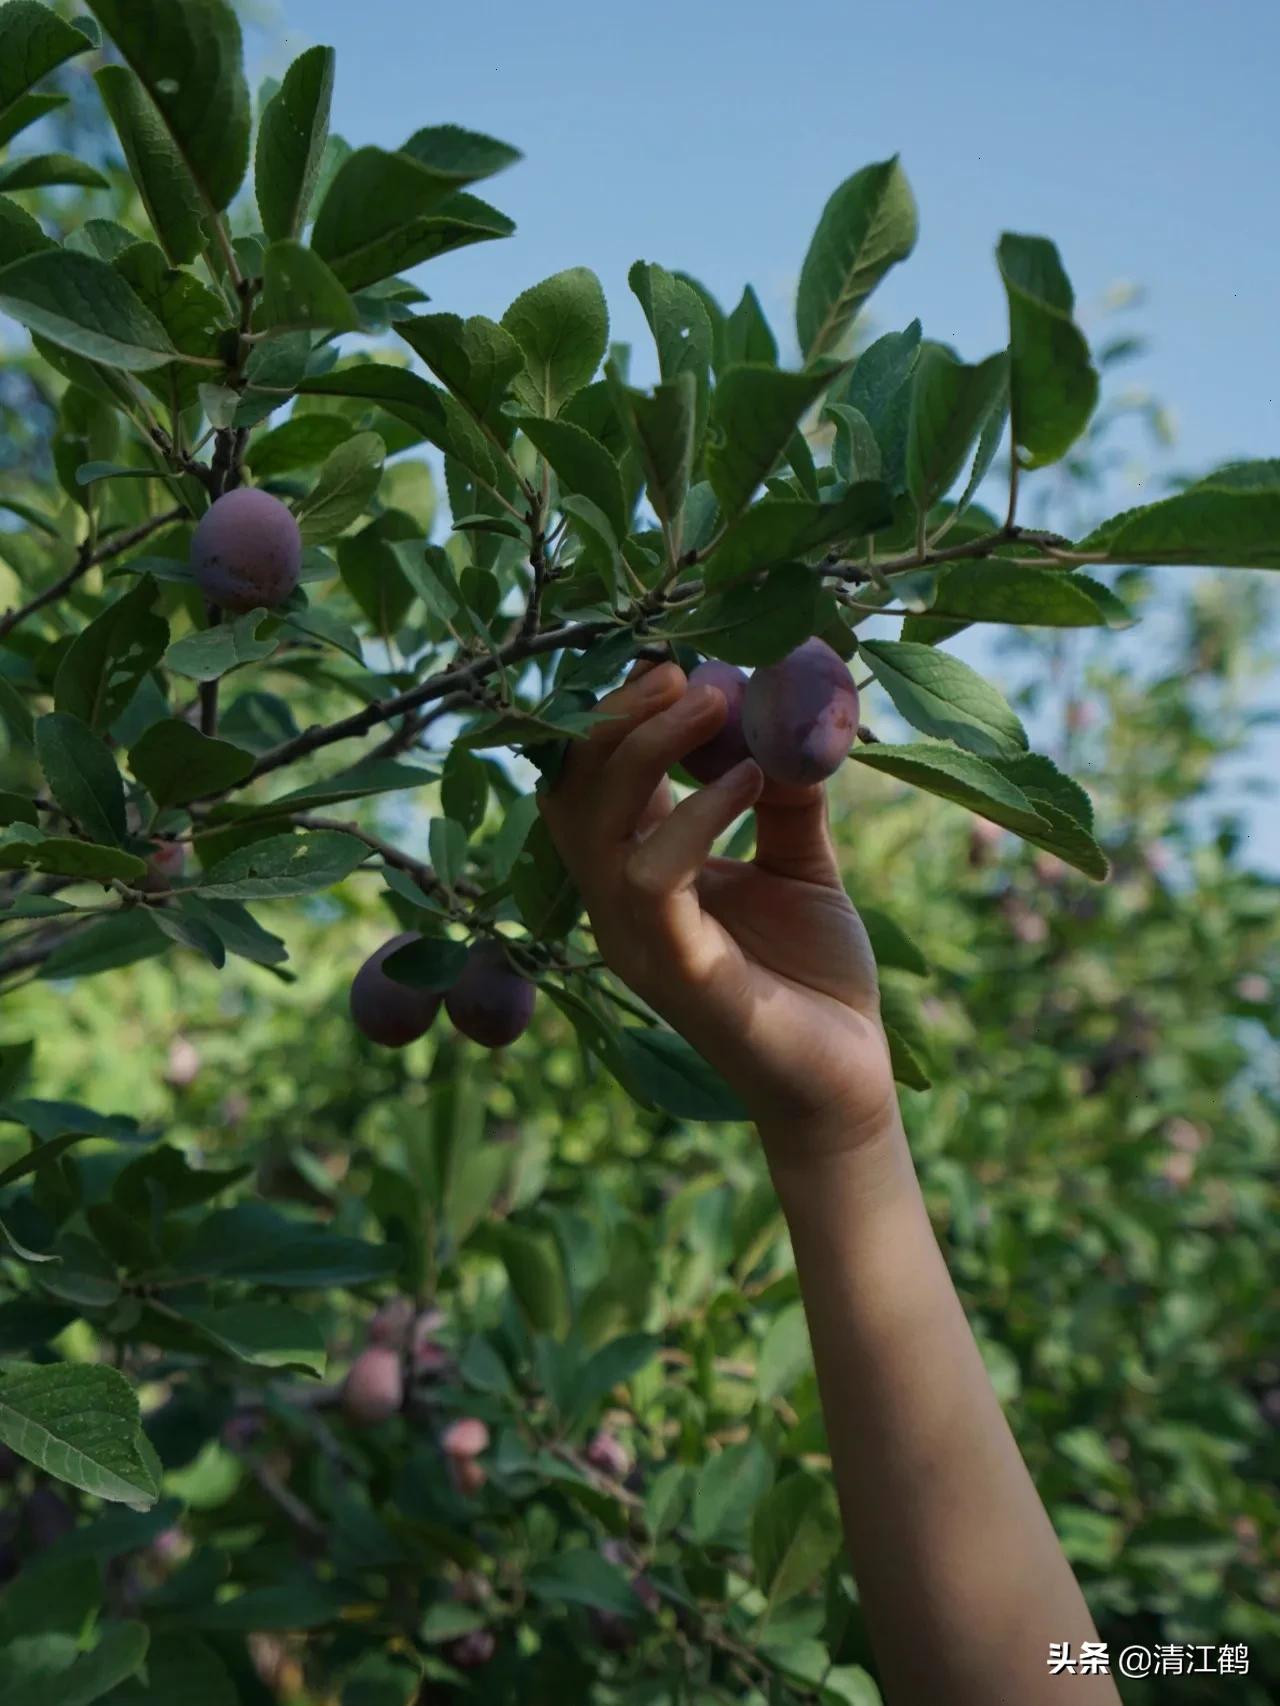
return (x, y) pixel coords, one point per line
(86, 559)
(422, 874)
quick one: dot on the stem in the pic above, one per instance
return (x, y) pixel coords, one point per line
(87, 559)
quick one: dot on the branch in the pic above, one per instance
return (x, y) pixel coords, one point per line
(86, 559)
(399, 860)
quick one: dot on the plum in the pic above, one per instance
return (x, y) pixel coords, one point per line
(374, 1388)
(717, 756)
(800, 715)
(391, 1323)
(467, 1437)
(165, 866)
(472, 1651)
(606, 1453)
(490, 1003)
(247, 551)
(388, 1012)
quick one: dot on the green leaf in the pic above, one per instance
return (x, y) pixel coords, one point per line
(855, 454)
(180, 1666)
(267, 1335)
(850, 1685)
(784, 1355)
(33, 42)
(284, 866)
(908, 1040)
(890, 944)
(660, 1069)
(950, 406)
(347, 485)
(747, 335)
(384, 213)
(432, 963)
(777, 529)
(254, 1243)
(984, 788)
(753, 415)
(1029, 597)
(80, 1423)
(729, 1487)
(24, 848)
(795, 1534)
(612, 1365)
(41, 171)
(681, 330)
(176, 763)
(757, 621)
(120, 939)
(106, 663)
(1053, 384)
(432, 412)
(456, 157)
(536, 1274)
(562, 325)
(940, 695)
(1230, 519)
(667, 1498)
(168, 191)
(299, 290)
(237, 929)
(581, 464)
(82, 304)
(82, 775)
(302, 442)
(477, 359)
(369, 776)
(661, 429)
(867, 226)
(211, 652)
(20, 234)
(464, 789)
(582, 1577)
(188, 59)
(291, 143)
(26, 111)
(51, 1669)
(544, 892)
(324, 625)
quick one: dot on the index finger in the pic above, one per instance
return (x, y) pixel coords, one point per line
(649, 689)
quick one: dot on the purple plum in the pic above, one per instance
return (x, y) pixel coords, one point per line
(717, 756)
(388, 1012)
(490, 1003)
(247, 551)
(800, 715)
(374, 1388)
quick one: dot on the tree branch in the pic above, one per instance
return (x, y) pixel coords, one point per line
(86, 559)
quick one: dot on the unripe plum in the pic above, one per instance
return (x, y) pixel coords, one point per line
(800, 715)
(165, 866)
(374, 1388)
(467, 1437)
(717, 756)
(247, 551)
(183, 1065)
(388, 1012)
(490, 1003)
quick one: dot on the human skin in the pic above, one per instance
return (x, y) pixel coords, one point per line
(766, 969)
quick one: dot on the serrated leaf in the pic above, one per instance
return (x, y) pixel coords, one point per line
(33, 41)
(106, 663)
(1007, 593)
(302, 442)
(562, 325)
(24, 848)
(43, 171)
(661, 427)
(681, 330)
(757, 622)
(1230, 519)
(729, 1486)
(300, 291)
(82, 775)
(754, 412)
(784, 1354)
(780, 529)
(581, 464)
(440, 418)
(80, 1423)
(941, 695)
(477, 359)
(346, 486)
(747, 335)
(795, 1534)
(211, 652)
(661, 1070)
(28, 110)
(880, 389)
(120, 939)
(291, 143)
(544, 892)
(83, 305)
(950, 406)
(266, 1335)
(890, 944)
(168, 191)
(284, 866)
(176, 763)
(1053, 385)
(867, 226)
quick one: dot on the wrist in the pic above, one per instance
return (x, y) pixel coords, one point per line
(840, 1156)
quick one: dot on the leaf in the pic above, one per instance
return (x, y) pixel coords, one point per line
(82, 304)
(254, 1243)
(1230, 519)
(612, 1365)
(291, 143)
(168, 191)
(302, 442)
(464, 789)
(78, 1422)
(784, 1355)
(536, 1274)
(180, 1666)
(1003, 592)
(188, 59)
(753, 415)
(284, 866)
(777, 529)
(106, 663)
(456, 157)
(661, 429)
(581, 464)
(755, 622)
(369, 776)
(176, 763)
(476, 359)
(51, 1670)
(850, 1685)
(40, 171)
(432, 963)
(855, 454)
(747, 335)
(1053, 385)
(33, 42)
(729, 1486)
(237, 929)
(983, 788)
(681, 330)
(211, 652)
(868, 225)
(582, 1577)
(433, 413)
(545, 895)
(299, 290)
(940, 695)
(667, 1498)
(660, 1069)
(347, 484)
(795, 1534)
(890, 944)
(384, 213)
(322, 624)
(908, 1040)
(880, 389)
(562, 325)
(267, 1335)
(28, 110)
(82, 775)
(950, 406)
(120, 939)
(24, 848)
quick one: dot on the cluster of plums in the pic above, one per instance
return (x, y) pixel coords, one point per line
(797, 718)
(490, 1002)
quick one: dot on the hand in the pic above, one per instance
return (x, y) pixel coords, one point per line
(764, 967)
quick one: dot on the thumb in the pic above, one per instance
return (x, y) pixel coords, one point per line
(792, 836)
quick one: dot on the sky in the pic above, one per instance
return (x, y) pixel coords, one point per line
(1143, 137)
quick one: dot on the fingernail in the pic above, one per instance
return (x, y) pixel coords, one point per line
(744, 778)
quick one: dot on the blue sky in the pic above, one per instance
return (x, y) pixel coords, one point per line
(1142, 137)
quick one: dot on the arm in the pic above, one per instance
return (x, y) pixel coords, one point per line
(766, 969)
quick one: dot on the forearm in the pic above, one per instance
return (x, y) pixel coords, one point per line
(962, 1579)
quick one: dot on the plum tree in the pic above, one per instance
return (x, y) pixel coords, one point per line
(800, 715)
(374, 1388)
(490, 1003)
(388, 1012)
(717, 756)
(247, 551)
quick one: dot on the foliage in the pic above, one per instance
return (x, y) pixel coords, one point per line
(645, 1514)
